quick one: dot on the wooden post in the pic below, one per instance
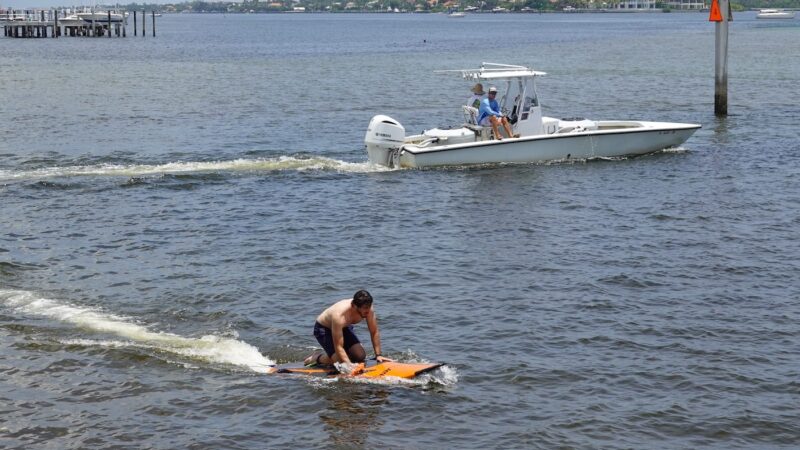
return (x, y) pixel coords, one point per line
(154, 22)
(109, 24)
(721, 61)
(144, 23)
(135, 31)
(124, 23)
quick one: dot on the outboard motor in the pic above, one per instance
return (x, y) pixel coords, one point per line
(384, 136)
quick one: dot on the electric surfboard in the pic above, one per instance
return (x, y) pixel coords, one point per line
(374, 370)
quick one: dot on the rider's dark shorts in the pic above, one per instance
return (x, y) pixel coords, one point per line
(325, 338)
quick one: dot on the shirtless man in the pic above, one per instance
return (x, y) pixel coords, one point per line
(334, 332)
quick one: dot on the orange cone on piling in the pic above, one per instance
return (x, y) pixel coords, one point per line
(716, 15)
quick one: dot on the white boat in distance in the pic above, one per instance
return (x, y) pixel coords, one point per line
(775, 14)
(98, 17)
(540, 138)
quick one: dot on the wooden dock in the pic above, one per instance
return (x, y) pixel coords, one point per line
(64, 22)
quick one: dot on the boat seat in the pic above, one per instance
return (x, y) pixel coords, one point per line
(471, 118)
(470, 115)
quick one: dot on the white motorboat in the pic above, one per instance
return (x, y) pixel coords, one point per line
(540, 138)
(456, 14)
(98, 17)
(775, 14)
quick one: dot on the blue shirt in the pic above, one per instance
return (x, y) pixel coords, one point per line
(488, 108)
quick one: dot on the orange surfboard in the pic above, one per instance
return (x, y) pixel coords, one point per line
(379, 370)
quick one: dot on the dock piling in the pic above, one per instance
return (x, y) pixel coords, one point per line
(44, 23)
(720, 13)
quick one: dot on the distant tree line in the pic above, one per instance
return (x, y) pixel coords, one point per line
(265, 6)
(761, 4)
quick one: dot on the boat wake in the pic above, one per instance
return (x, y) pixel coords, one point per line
(678, 149)
(207, 349)
(245, 166)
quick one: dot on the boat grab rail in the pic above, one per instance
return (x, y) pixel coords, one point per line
(427, 142)
(570, 129)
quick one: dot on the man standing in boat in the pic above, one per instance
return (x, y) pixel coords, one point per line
(334, 332)
(489, 114)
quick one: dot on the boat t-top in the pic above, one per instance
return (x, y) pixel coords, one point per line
(540, 138)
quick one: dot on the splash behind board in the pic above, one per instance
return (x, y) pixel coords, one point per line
(379, 370)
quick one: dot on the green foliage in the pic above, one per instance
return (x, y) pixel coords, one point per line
(540, 4)
(762, 4)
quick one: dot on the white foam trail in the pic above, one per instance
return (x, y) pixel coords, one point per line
(445, 375)
(213, 349)
(236, 165)
(676, 150)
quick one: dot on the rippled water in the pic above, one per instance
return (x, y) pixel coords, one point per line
(176, 211)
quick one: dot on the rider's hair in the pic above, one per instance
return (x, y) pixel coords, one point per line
(362, 298)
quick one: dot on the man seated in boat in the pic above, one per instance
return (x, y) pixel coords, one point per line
(489, 114)
(477, 95)
(334, 332)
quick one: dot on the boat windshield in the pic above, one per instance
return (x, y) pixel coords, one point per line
(519, 94)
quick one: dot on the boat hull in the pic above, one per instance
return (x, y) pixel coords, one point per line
(776, 16)
(648, 138)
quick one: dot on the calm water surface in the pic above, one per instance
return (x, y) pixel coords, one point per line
(174, 213)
